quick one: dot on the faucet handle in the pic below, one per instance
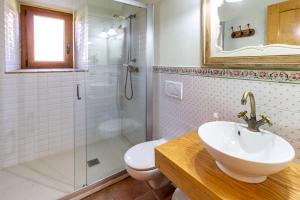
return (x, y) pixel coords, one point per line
(242, 114)
(266, 120)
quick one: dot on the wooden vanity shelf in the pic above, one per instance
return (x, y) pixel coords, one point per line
(189, 166)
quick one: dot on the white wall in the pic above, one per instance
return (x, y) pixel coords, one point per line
(177, 32)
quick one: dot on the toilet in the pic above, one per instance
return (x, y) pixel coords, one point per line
(140, 165)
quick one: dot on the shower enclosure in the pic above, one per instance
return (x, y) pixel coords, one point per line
(62, 131)
(113, 90)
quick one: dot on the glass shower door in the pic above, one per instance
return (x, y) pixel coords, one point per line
(113, 123)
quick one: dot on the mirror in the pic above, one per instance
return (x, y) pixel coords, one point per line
(252, 32)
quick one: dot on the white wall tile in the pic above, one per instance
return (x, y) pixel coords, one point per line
(203, 96)
(36, 110)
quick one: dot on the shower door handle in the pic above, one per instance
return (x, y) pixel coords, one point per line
(78, 92)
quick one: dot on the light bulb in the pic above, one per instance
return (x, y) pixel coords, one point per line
(120, 36)
(112, 32)
(103, 35)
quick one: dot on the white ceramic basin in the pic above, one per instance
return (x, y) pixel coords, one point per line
(244, 155)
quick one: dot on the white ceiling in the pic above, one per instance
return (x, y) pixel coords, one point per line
(68, 4)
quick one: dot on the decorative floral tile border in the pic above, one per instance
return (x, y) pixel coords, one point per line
(262, 75)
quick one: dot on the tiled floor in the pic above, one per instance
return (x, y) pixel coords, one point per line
(14, 187)
(52, 177)
(129, 189)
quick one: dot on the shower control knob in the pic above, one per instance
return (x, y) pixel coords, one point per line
(131, 68)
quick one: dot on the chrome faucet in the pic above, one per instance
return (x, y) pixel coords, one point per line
(253, 124)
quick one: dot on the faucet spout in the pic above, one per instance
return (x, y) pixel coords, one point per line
(252, 103)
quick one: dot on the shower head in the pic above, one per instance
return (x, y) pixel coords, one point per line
(131, 16)
(118, 17)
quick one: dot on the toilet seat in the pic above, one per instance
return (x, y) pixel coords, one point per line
(145, 175)
(154, 177)
(141, 156)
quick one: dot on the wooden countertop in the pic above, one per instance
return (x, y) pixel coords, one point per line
(189, 166)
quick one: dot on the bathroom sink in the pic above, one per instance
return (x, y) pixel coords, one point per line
(245, 155)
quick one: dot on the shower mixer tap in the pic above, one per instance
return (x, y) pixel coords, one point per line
(131, 68)
(253, 124)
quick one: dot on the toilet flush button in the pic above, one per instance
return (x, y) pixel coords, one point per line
(174, 89)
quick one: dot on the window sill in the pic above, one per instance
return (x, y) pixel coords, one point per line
(45, 70)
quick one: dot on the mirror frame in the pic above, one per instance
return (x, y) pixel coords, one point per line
(285, 62)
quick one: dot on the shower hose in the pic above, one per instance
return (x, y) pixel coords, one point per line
(128, 73)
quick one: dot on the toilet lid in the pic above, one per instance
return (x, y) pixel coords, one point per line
(141, 156)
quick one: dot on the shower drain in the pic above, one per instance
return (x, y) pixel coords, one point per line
(93, 162)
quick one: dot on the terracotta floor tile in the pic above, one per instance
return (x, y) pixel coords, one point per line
(168, 198)
(129, 189)
(102, 195)
(148, 196)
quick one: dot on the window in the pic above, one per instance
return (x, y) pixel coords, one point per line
(46, 38)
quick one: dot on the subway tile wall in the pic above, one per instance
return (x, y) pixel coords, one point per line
(36, 115)
(2, 34)
(36, 109)
(81, 33)
(204, 96)
(11, 31)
